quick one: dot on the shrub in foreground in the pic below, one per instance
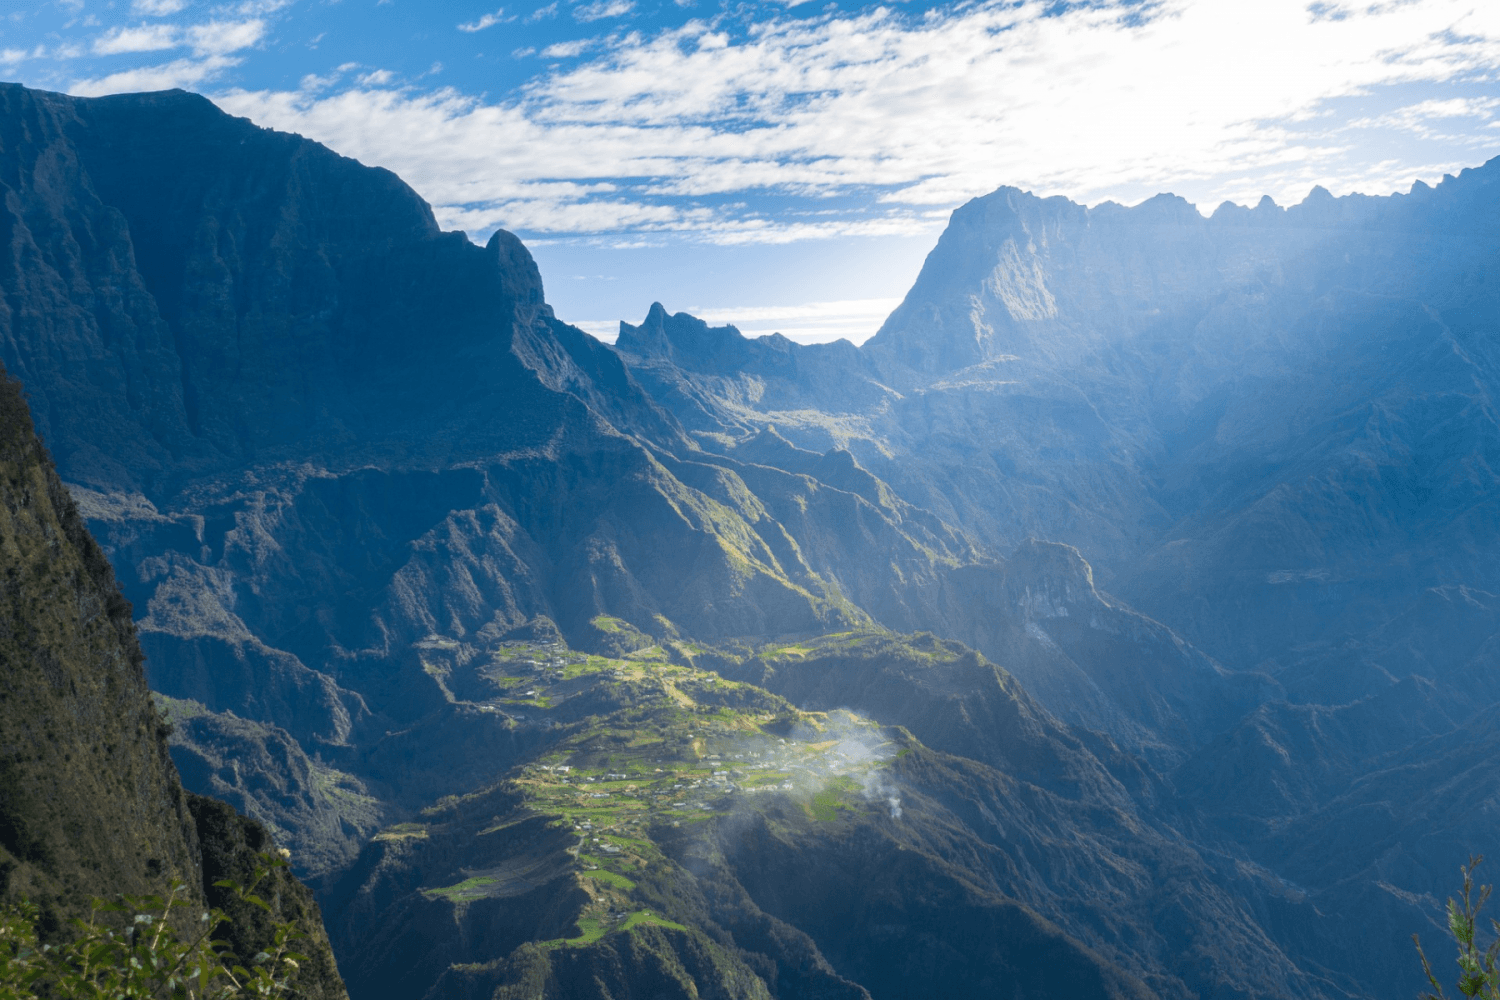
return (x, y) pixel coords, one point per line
(133, 948)
(1479, 974)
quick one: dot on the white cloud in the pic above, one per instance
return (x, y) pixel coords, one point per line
(219, 37)
(568, 50)
(145, 38)
(313, 81)
(542, 13)
(807, 323)
(185, 73)
(854, 320)
(157, 8)
(1211, 98)
(487, 21)
(1429, 118)
(600, 9)
(376, 78)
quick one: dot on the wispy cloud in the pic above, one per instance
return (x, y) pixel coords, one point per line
(1212, 98)
(601, 9)
(144, 38)
(313, 81)
(211, 44)
(158, 8)
(219, 37)
(807, 323)
(1432, 118)
(568, 50)
(487, 21)
(185, 73)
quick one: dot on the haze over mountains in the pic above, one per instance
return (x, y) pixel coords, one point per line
(1119, 620)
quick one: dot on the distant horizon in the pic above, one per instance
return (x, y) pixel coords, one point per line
(753, 325)
(792, 162)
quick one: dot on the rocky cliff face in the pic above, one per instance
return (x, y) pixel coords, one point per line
(241, 346)
(91, 801)
(90, 804)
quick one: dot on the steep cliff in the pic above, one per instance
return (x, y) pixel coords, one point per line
(339, 454)
(1268, 428)
(319, 430)
(90, 799)
(90, 803)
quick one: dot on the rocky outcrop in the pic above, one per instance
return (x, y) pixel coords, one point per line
(326, 442)
(320, 814)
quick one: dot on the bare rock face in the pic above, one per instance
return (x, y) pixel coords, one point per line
(1261, 427)
(1267, 429)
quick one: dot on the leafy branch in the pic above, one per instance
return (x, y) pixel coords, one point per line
(1479, 973)
(147, 958)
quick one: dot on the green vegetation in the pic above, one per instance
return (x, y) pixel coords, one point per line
(145, 955)
(1479, 968)
(610, 878)
(825, 806)
(637, 919)
(590, 930)
(664, 750)
(463, 890)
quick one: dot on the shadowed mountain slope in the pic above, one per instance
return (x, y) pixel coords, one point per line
(90, 804)
(1267, 429)
(817, 849)
(316, 430)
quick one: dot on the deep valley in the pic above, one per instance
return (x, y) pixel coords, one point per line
(1120, 620)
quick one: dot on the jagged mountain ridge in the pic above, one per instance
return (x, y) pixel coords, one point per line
(1273, 430)
(224, 344)
(1100, 377)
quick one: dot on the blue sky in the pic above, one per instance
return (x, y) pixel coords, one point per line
(786, 166)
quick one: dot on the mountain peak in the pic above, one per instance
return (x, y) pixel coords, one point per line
(684, 339)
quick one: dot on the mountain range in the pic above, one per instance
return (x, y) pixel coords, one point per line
(1118, 620)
